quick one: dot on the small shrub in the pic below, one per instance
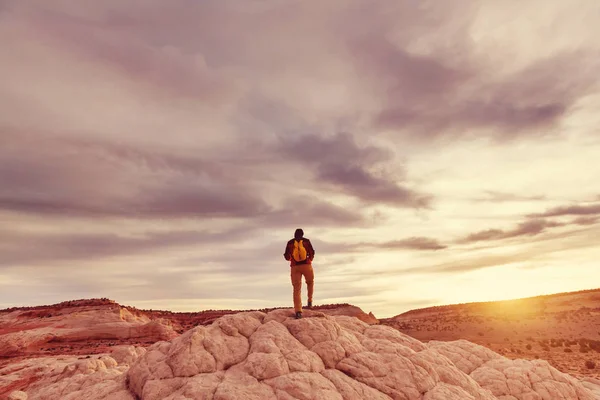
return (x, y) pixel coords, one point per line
(568, 350)
(584, 349)
(589, 364)
(528, 347)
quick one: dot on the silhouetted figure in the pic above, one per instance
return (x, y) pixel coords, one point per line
(300, 253)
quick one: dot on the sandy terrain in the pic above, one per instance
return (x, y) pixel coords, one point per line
(563, 329)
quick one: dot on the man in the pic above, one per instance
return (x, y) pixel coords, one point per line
(300, 253)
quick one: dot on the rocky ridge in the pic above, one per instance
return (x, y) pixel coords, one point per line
(94, 326)
(269, 355)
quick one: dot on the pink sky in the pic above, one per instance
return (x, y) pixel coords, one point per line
(162, 153)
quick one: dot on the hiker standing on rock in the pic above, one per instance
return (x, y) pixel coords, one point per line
(300, 253)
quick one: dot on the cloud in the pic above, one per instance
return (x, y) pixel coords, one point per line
(126, 42)
(527, 228)
(581, 210)
(474, 264)
(413, 243)
(99, 180)
(358, 182)
(586, 220)
(339, 149)
(22, 248)
(445, 89)
(145, 138)
(57, 177)
(531, 99)
(340, 162)
(309, 210)
(538, 223)
(501, 197)
(555, 245)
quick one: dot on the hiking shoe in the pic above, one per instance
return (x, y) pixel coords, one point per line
(309, 305)
(298, 315)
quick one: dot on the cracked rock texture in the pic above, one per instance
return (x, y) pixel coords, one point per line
(255, 355)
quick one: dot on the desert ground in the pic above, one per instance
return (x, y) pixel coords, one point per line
(98, 349)
(563, 329)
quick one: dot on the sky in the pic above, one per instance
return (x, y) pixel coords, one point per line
(161, 153)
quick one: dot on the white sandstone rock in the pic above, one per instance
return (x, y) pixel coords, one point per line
(272, 356)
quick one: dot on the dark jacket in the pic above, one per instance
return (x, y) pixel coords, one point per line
(289, 248)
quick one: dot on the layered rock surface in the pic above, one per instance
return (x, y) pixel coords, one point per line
(63, 328)
(256, 355)
(94, 326)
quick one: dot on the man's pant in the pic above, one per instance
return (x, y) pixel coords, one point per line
(297, 271)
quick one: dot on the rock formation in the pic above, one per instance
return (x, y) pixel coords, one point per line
(257, 355)
(94, 326)
(560, 328)
(60, 328)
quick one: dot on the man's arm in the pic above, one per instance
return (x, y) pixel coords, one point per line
(309, 250)
(286, 254)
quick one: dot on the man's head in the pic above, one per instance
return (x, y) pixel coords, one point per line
(299, 234)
